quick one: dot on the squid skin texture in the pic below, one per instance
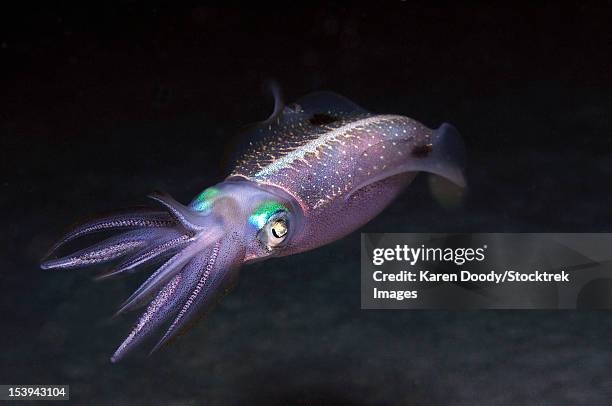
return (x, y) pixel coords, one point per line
(317, 170)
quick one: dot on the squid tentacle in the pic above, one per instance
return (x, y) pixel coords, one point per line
(190, 240)
(105, 251)
(140, 218)
(165, 304)
(158, 249)
(220, 270)
(195, 296)
(182, 214)
(171, 267)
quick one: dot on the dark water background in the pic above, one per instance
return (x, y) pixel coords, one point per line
(100, 105)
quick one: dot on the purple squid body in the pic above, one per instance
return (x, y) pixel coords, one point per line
(321, 168)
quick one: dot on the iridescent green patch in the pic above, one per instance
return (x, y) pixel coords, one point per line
(264, 211)
(203, 202)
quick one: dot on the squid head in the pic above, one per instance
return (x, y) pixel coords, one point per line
(203, 244)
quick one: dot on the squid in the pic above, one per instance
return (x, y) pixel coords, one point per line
(317, 170)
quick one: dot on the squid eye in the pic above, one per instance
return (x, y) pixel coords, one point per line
(275, 231)
(279, 229)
